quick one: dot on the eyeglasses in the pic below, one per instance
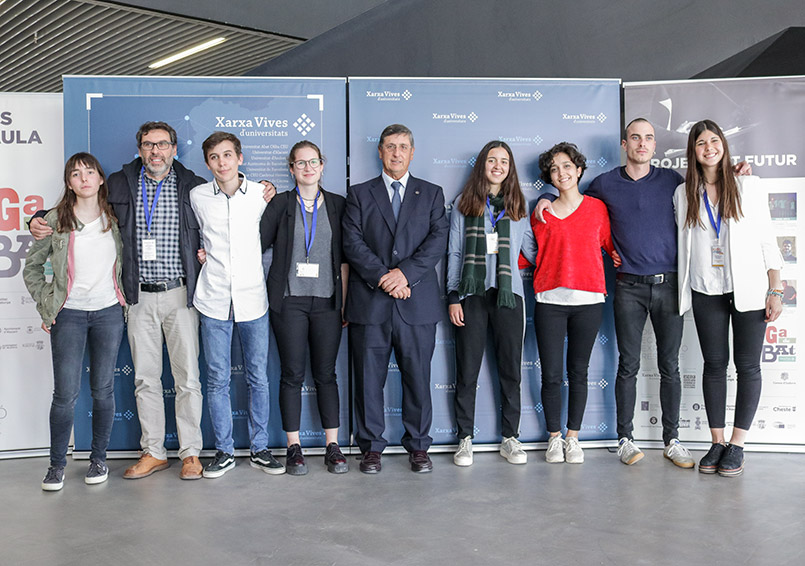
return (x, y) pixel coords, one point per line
(391, 147)
(161, 144)
(312, 162)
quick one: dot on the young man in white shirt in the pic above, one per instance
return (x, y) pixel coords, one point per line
(231, 292)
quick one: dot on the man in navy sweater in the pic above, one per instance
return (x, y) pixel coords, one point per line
(639, 200)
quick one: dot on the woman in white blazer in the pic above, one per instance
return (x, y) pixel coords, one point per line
(729, 272)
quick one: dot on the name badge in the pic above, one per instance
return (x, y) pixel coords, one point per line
(307, 270)
(492, 243)
(717, 255)
(149, 249)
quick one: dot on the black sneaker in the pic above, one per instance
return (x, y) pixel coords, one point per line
(97, 473)
(732, 462)
(54, 479)
(334, 460)
(220, 465)
(295, 461)
(709, 463)
(265, 461)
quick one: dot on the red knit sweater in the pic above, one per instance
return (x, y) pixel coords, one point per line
(569, 249)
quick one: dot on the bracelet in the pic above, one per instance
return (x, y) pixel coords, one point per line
(775, 293)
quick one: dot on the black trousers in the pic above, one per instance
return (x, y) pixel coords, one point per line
(307, 324)
(713, 314)
(480, 315)
(580, 323)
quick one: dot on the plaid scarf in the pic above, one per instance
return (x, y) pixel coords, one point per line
(473, 272)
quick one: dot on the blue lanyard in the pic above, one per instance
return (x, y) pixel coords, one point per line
(309, 237)
(149, 211)
(492, 218)
(716, 226)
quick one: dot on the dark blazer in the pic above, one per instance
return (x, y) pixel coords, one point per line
(277, 229)
(374, 244)
(123, 188)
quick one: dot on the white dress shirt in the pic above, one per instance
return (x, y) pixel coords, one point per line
(388, 181)
(230, 234)
(706, 278)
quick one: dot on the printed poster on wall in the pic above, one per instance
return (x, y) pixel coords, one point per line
(103, 114)
(451, 120)
(31, 166)
(762, 120)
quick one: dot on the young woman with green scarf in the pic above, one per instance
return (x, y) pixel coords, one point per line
(489, 227)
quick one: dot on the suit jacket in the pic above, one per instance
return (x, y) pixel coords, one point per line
(751, 238)
(374, 243)
(277, 229)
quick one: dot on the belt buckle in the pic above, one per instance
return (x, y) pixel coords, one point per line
(659, 279)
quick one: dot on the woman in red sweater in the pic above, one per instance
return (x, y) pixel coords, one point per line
(570, 291)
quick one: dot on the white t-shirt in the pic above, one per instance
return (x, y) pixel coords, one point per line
(93, 264)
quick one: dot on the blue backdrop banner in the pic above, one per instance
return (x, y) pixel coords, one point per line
(451, 120)
(103, 114)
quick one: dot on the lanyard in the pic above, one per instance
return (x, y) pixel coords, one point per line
(312, 234)
(149, 211)
(492, 218)
(716, 226)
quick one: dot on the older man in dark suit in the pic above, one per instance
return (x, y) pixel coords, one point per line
(394, 233)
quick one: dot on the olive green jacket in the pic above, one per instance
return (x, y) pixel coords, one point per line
(51, 295)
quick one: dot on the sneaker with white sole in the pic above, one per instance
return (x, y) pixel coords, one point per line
(573, 452)
(556, 450)
(220, 465)
(54, 479)
(463, 456)
(678, 454)
(628, 451)
(264, 460)
(512, 450)
(97, 473)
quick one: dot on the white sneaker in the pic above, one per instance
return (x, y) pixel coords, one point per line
(678, 454)
(463, 456)
(573, 452)
(628, 452)
(556, 450)
(512, 450)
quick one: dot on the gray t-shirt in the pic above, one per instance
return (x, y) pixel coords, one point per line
(321, 252)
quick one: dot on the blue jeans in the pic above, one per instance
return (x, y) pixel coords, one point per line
(73, 331)
(216, 336)
(633, 303)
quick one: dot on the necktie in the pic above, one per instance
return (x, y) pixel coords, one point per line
(396, 201)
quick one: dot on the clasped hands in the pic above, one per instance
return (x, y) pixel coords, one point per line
(395, 284)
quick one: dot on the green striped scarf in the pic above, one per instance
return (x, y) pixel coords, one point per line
(473, 272)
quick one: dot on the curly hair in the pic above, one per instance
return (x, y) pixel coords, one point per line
(570, 149)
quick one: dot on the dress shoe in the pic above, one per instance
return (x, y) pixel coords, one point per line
(145, 466)
(191, 468)
(334, 460)
(420, 462)
(370, 463)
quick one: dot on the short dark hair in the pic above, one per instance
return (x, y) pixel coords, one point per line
(546, 159)
(149, 126)
(393, 130)
(626, 129)
(217, 137)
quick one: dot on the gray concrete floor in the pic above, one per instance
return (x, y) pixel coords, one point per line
(601, 512)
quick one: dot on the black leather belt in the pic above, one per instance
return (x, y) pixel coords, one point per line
(647, 279)
(161, 286)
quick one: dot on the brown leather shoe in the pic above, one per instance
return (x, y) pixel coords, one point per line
(145, 466)
(191, 468)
